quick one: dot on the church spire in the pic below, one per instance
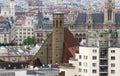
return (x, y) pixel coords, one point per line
(72, 17)
(109, 12)
(89, 16)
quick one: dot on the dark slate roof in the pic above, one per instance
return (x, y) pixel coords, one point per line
(40, 19)
(98, 18)
(50, 25)
(1, 30)
(81, 18)
(117, 18)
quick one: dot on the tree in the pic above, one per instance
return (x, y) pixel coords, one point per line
(29, 41)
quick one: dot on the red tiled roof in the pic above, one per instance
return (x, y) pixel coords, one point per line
(2, 18)
(20, 19)
(70, 45)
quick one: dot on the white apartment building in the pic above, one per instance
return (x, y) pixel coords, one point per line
(98, 56)
(24, 30)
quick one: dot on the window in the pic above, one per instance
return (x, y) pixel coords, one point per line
(85, 57)
(80, 70)
(109, 14)
(112, 51)
(112, 58)
(112, 64)
(94, 51)
(80, 63)
(110, 1)
(41, 53)
(94, 57)
(80, 57)
(57, 24)
(112, 71)
(94, 64)
(94, 71)
(61, 23)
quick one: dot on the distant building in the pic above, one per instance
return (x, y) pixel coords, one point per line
(23, 29)
(108, 19)
(8, 9)
(14, 57)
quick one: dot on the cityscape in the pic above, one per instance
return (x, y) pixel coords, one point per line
(59, 37)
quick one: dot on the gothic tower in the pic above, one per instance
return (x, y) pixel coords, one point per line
(12, 8)
(58, 37)
(71, 18)
(109, 12)
(89, 17)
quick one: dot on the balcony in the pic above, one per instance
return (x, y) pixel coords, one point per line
(103, 63)
(103, 69)
(103, 74)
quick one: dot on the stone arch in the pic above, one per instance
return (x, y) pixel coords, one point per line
(84, 36)
(37, 62)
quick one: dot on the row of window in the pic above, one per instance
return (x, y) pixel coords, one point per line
(84, 64)
(85, 70)
(93, 71)
(26, 29)
(25, 33)
(94, 57)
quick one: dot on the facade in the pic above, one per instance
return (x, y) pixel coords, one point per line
(5, 27)
(23, 29)
(14, 54)
(4, 37)
(98, 56)
(108, 19)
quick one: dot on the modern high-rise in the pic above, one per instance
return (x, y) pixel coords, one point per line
(98, 55)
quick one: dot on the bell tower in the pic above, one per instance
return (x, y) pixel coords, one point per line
(109, 12)
(57, 37)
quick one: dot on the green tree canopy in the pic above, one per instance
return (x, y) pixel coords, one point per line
(29, 41)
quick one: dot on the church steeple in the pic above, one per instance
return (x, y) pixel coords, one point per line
(72, 17)
(109, 12)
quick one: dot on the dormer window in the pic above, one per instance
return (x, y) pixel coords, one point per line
(110, 1)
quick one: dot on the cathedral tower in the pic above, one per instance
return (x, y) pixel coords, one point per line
(58, 37)
(72, 18)
(109, 12)
(89, 17)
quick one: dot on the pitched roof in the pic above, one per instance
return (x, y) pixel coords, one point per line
(117, 18)
(97, 18)
(70, 45)
(81, 18)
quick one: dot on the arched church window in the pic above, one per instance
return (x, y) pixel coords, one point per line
(110, 1)
(56, 23)
(60, 23)
(53, 23)
(76, 34)
(109, 14)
